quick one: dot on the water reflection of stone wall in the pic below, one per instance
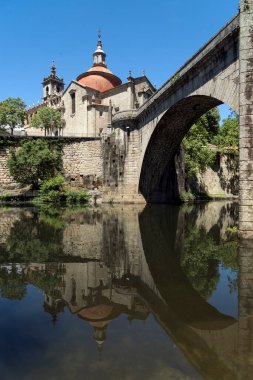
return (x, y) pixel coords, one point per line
(7, 219)
(107, 232)
(217, 214)
(83, 235)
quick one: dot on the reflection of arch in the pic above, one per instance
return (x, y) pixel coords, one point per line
(165, 141)
(159, 232)
(195, 326)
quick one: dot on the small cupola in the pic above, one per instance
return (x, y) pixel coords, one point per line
(99, 54)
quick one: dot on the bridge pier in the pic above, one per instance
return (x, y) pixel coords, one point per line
(246, 119)
(245, 318)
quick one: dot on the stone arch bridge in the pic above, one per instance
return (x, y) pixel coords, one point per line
(145, 141)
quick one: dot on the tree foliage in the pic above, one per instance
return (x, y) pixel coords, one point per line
(198, 152)
(34, 162)
(198, 155)
(12, 112)
(228, 135)
(56, 191)
(46, 118)
(206, 252)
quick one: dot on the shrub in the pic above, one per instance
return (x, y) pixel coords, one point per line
(56, 183)
(34, 162)
(56, 191)
(76, 196)
(186, 196)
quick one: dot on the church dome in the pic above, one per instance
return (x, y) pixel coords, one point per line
(99, 77)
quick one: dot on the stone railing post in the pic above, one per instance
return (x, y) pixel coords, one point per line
(246, 119)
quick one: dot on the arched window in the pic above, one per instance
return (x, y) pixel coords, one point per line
(73, 101)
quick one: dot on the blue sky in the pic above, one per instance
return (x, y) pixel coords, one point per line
(158, 36)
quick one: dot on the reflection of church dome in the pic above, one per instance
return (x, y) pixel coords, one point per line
(99, 77)
(97, 313)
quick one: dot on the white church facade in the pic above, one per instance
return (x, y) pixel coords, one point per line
(89, 102)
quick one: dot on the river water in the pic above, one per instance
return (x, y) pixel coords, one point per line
(125, 292)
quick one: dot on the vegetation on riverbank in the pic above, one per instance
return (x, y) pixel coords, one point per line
(55, 190)
(38, 164)
(206, 133)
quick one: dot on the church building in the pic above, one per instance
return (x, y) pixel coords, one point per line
(89, 102)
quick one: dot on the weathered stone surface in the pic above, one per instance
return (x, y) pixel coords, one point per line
(6, 181)
(246, 117)
(82, 163)
(222, 179)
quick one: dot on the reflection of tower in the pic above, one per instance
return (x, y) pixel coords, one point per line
(53, 305)
(100, 334)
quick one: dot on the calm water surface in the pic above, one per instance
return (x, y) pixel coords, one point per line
(124, 292)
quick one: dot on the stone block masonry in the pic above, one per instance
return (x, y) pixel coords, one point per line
(246, 118)
(82, 163)
(219, 180)
(7, 184)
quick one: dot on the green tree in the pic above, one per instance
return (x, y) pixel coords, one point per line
(228, 135)
(46, 118)
(12, 112)
(34, 162)
(198, 154)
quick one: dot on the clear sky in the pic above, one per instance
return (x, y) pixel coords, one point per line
(158, 36)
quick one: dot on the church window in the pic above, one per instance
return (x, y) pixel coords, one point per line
(100, 113)
(47, 91)
(73, 102)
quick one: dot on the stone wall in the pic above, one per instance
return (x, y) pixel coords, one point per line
(222, 179)
(6, 181)
(83, 163)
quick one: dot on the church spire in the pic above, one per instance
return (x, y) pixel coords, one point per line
(53, 69)
(99, 55)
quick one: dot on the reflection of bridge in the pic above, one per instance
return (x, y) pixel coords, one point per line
(118, 277)
(148, 138)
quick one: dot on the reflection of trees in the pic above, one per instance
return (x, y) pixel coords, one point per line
(35, 237)
(14, 279)
(202, 257)
(47, 280)
(199, 263)
(12, 283)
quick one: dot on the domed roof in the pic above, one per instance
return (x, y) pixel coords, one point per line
(98, 76)
(96, 313)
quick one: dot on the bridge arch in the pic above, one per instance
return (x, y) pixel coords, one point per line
(157, 175)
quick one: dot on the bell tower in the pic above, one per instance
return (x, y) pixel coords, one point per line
(52, 85)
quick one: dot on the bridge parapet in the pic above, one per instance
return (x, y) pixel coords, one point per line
(211, 48)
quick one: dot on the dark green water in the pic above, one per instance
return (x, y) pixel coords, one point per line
(124, 292)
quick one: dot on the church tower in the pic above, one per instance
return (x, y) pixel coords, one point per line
(52, 85)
